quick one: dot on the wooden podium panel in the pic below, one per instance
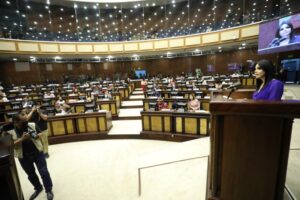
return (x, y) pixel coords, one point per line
(249, 148)
(10, 187)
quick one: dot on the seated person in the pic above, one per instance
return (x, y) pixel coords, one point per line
(193, 104)
(174, 105)
(49, 95)
(161, 104)
(107, 95)
(60, 101)
(62, 109)
(218, 84)
(27, 103)
(3, 97)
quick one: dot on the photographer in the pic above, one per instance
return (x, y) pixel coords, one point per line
(29, 150)
(40, 117)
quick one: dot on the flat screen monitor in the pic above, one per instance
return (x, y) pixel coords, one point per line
(141, 73)
(234, 67)
(279, 35)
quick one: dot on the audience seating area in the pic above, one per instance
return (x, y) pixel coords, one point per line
(92, 105)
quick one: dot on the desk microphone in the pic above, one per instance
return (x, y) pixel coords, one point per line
(234, 85)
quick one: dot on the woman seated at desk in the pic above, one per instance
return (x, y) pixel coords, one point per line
(218, 84)
(161, 104)
(62, 109)
(194, 104)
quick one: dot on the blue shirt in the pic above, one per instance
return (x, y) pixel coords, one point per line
(272, 91)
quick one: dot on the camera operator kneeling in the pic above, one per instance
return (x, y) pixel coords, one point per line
(29, 150)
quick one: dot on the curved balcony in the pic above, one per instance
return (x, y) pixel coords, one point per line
(203, 41)
(93, 21)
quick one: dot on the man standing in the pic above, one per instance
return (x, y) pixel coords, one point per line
(29, 150)
(40, 118)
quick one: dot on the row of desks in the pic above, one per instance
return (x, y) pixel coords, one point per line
(175, 124)
(78, 127)
(204, 102)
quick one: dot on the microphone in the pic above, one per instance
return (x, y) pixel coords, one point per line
(234, 85)
(275, 42)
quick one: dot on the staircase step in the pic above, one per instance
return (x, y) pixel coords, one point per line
(137, 93)
(129, 118)
(136, 97)
(132, 103)
(130, 112)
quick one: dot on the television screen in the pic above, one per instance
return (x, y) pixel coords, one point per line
(279, 35)
(211, 68)
(140, 73)
(234, 67)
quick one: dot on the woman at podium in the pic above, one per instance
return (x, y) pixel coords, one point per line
(267, 88)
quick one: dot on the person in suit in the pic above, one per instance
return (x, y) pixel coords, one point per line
(284, 35)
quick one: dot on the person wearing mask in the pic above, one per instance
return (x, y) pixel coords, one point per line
(267, 88)
(29, 151)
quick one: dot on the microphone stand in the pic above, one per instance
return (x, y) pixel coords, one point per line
(231, 91)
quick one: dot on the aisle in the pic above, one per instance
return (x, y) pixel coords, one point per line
(129, 121)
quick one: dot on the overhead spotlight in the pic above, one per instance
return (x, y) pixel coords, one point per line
(219, 47)
(15, 59)
(244, 44)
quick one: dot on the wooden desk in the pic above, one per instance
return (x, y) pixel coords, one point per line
(204, 103)
(109, 105)
(124, 92)
(66, 128)
(9, 179)
(181, 125)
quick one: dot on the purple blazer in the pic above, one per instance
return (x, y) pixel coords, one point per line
(295, 39)
(272, 91)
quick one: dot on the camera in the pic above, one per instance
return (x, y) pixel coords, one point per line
(32, 133)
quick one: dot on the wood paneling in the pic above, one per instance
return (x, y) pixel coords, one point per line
(7, 46)
(172, 67)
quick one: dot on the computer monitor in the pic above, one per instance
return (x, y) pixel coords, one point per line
(82, 97)
(182, 106)
(152, 106)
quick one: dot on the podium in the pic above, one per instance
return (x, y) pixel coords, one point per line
(9, 180)
(249, 148)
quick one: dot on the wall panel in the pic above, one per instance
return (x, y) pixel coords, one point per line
(51, 48)
(172, 67)
(7, 46)
(32, 47)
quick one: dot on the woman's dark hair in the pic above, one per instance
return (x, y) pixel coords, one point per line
(269, 70)
(289, 25)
